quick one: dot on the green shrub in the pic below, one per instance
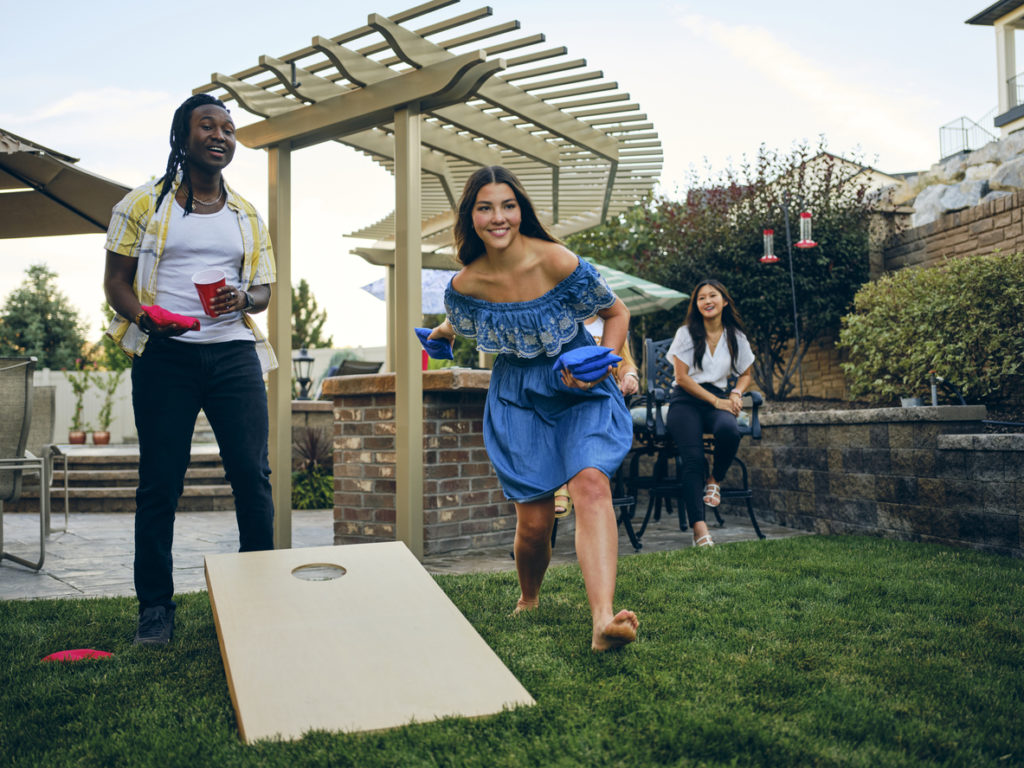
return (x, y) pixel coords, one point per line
(313, 489)
(963, 320)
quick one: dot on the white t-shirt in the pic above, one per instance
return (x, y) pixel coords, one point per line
(715, 369)
(195, 242)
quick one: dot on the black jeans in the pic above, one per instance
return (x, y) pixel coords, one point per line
(688, 420)
(171, 381)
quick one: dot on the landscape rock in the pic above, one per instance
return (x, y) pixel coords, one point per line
(995, 194)
(928, 205)
(1009, 175)
(963, 195)
(987, 154)
(1010, 147)
(983, 171)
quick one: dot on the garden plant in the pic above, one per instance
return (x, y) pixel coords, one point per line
(963, 320)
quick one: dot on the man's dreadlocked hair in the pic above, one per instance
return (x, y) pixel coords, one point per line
(179, 145)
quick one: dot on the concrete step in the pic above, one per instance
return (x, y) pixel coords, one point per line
(104, 478)
(129, 478)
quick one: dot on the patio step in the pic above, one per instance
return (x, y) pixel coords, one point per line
(103, 479)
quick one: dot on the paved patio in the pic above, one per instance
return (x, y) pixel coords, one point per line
(94, 557)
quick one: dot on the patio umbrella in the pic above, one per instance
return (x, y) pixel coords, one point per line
(640, 296)
(44, 193)
(434, 283)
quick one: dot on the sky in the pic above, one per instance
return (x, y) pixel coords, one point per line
(718, 79)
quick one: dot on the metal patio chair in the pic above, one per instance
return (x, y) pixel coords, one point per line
(653, 440)
(40, 444)
(15, 422)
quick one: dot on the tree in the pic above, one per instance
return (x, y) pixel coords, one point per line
(716, 231)
(38, 320)
(308, 320)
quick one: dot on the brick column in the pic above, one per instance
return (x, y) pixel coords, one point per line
(463, 505)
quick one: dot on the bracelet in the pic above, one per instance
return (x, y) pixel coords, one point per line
(633, 374)
(736, 392)
(138, 320)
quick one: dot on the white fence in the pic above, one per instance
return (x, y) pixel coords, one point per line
(122, 427)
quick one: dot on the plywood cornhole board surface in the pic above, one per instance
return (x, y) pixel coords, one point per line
(377, 647)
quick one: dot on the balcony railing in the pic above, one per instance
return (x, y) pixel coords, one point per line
(966, 135)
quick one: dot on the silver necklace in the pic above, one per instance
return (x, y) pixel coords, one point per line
(208, 202)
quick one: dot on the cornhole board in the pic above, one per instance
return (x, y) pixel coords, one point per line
(377, 647)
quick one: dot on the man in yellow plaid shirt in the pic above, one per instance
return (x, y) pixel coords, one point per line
(161, 234)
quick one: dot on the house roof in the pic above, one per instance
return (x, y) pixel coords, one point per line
(995, 11)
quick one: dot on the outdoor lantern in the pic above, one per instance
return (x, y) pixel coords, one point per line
(302, 366)
(769, 247)
(805, 231)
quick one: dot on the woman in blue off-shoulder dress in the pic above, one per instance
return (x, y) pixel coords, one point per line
(523, 296)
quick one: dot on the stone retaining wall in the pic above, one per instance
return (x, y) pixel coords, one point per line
(921, 474)
(981, 229)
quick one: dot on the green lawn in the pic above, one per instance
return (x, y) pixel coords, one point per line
(804, 651)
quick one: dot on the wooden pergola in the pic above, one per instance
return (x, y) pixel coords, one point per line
(432, 106)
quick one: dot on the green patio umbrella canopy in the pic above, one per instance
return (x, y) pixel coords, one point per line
(640, 296)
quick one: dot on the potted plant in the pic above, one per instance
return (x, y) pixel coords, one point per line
(108, 386)
(79, 380)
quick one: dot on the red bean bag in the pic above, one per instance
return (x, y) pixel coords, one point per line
(76, 655)
(165, 319)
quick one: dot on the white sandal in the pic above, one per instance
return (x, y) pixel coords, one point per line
(704, 541)
(712, 494)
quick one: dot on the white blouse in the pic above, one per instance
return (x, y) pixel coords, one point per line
(715, 368)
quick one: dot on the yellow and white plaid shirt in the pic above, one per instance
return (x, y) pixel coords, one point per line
(136, 232)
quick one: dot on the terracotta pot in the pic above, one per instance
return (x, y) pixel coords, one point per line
(100, 438)
(76, 437)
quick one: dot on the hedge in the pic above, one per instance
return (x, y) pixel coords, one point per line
(963, 320)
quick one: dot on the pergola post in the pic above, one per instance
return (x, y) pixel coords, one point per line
(407, 303)
(279, 332)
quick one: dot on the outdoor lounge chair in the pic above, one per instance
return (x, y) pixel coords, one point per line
(15, 421)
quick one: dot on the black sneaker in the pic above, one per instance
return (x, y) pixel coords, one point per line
(156, 626)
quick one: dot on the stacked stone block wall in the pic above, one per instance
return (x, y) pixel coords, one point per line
(982, 229)
(920, 474)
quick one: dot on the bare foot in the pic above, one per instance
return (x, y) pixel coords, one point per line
(618, 632)
(523, 604)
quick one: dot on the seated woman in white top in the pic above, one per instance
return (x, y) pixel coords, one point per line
(709, 349)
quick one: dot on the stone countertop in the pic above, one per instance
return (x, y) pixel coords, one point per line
(444, 379)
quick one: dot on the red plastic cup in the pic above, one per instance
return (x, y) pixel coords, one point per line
(207, 282)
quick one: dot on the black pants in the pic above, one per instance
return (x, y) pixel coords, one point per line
(688, 420)
(171, 381)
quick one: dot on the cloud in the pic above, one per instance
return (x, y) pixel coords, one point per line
(779, 86)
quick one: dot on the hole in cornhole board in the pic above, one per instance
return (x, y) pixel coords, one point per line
(318, 572)
(371, 642)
